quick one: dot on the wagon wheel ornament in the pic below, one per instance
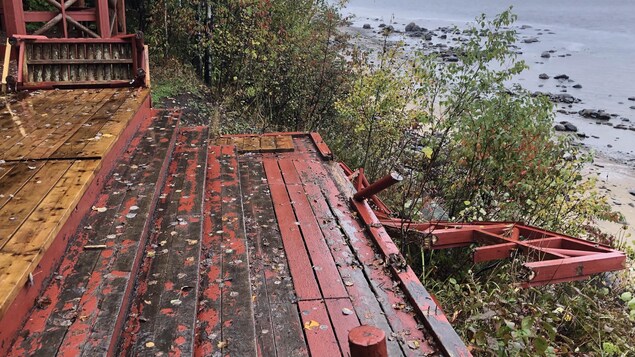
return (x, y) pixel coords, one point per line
(63, 6)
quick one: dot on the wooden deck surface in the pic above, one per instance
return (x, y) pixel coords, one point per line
(234, 250)
(51, 148)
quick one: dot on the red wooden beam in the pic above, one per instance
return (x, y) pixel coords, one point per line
(88, 15)
(14, 17)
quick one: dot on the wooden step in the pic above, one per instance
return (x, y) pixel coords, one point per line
(82, 310)
(162, 317)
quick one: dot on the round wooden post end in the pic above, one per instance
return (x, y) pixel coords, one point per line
(367, 341)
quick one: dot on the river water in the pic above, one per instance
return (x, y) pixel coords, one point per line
(596, 40)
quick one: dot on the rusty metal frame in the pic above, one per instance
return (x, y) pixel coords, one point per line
(551, 257)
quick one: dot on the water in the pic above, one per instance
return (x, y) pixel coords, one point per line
(597, 38)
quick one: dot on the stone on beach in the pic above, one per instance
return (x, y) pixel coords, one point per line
(412, 27)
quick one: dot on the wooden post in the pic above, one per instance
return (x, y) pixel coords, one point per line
(367, 341)
(103, 18)
(14, 17)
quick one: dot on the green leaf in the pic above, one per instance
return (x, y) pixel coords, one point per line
(626, 296)
(540, 344)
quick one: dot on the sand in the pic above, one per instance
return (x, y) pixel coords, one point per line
(615, 180)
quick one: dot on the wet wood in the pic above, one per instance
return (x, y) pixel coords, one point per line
(278, 326)
(238, 323)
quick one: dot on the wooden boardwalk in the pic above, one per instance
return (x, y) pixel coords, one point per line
(52, 148)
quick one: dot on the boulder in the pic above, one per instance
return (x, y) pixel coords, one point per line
(382, 25)
(560, 127)
(570, 127)
(530, 40)
(577, 86)
(545, 54)
(561, 76)
(595, 114)
(632, 107)
(366, 27)
(412, 27)
(543, 76)
(631, 98)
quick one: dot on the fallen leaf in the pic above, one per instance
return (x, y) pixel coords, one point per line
(150, 344)
(221, 344)
(310, 325)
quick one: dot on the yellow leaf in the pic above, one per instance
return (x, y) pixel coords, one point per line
(310, 325)
(427, 151)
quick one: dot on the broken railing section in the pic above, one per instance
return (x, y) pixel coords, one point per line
(424, 305)
(551, 257)
(47, 63)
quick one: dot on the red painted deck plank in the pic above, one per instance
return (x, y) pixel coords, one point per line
(342, 320)
(318, 329)
(327, 274)
(208, 333)
(278, 326)
(238, 331)
(299, 263)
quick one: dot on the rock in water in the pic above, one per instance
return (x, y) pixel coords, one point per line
(545, 54)
(412, 27)
(632, 192)
(631, 98)
(543, 76)
(561, 76)
(559, 127)
(632, 107)
(366, 27)
(530, 40)
(570, 127)
(577, 86)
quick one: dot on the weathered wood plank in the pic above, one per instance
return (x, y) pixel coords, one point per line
(284, 143)
(267, 144)
(208, 333)
(23, 252)
(250, 144)
(322, 261)
(111, 130)
(237, 310)
(361, 291)
(299, 263)
(18, 175)
(318, 329)
(18, 209)
(168, 293)
(278, 326)
(343, 321)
